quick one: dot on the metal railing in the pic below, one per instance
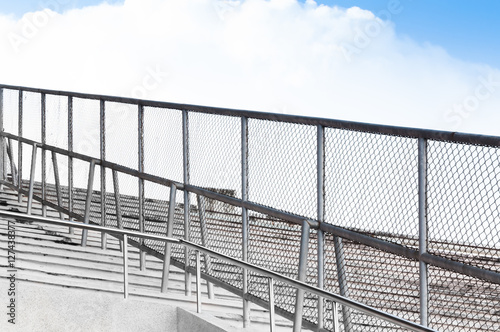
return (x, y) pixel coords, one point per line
(378, 214)
(124, 235)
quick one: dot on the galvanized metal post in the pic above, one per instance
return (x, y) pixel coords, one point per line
(185, 146)
(244, 216)
(88, 201)
(335, 309)
(422, 218)
(204, 242)
(70, 160)
(44, 161)
(125, 266)
(302, 274)
(140, 158)
(118, 203)
(198, 282)
(12, 164)
(168, 245)
(58, 184)
(344, 290)
(32, 178)
(20, 148)
(320, 201)
(272, 321)
(102, 140)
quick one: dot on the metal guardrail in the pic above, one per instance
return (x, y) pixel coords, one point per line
(336, 299)
(410, 194)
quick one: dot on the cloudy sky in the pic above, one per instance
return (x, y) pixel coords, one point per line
(430, 64)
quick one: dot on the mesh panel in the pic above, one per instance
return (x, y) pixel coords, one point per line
(461, 303)
(121, 131)
(282, 166)
(163, 143)
(371, 184)
(86, 127)
(215, 144)
(464, 203)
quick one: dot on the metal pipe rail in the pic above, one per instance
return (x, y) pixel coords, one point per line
(340, 124)
(273, 276)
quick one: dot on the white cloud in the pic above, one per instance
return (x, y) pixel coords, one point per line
(278, 55)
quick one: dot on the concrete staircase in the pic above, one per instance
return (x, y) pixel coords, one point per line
(62, 286)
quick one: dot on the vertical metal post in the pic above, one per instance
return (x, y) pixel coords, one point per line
(140, 135)
(198, 282)
(88, 201)
(2, 141)
(204, 242)
(32, 178)
(422, 218)
(12, 164)
(344, 289)
(20, 148)
(102, 124)
(168, 245)
(58, 184)
(44, 162)
(244, 216)
(70, 160)
(272, 322)
(125, 266)
(335, 309)
(302, 274)
(118, 203)
(320, 200)
(185, 146)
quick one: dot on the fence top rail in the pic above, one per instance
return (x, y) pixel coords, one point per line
(486, 140)
(265, 272)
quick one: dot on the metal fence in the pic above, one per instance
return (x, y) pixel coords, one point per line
(404, 220)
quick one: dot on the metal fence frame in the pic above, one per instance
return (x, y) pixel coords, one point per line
(422, 256)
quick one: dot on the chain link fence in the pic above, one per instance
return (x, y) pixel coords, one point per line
(406, 221)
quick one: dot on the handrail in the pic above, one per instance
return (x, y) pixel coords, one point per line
(373, 242)
(339, 124)
(245, 265)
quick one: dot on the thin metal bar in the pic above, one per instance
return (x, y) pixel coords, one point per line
(343, 286)
(244, 215)
(185, 154)
(118, 203)
(335, 309)
(320, 171)
(20, 147)
(302, 274)
(88, 201)
(422, 219)
(13, 168)
(44, 161)
(168, 246)
(272, 321)
(70, 160)
(102, 140)
(198, 282)
(204, 242)
(125, 266)
(140, 158)
(32, 178)
(313, 121)
(58, 184)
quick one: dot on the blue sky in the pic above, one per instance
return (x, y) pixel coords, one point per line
(467, 29)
